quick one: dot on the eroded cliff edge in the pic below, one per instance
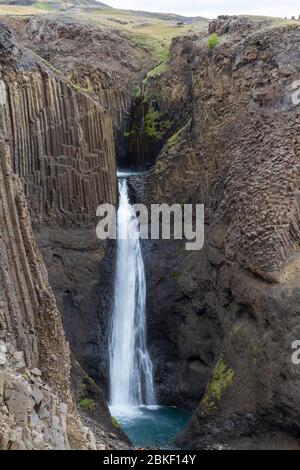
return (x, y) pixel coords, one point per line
(229, 313)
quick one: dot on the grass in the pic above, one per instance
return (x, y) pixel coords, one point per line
(222, 377)
(158, 70)
(18, 10)
(115, 423)
(174, 139)
(87, 404)
(155, 127)
(151, 33)
(43, 6)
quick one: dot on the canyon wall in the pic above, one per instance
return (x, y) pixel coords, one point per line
(63, 149)
(76, 135)
(57, 159)
(229, 313)
(103, 62)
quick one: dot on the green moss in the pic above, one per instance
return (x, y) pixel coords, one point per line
(115, 423)
(212, 41)
(80, 89)
(87, 404)
(173, 140)
(137, 91)
(221, 378)
(158, 70)
(43, 6)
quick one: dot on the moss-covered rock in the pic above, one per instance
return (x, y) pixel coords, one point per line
(222, 377)
(87, 404)
(115, 423)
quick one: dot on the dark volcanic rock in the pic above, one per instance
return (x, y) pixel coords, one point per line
(101, 61)
(57, 156)
(231, 310)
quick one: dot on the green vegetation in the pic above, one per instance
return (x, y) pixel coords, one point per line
(50, 66)
(115, 423)
(43, 6)
(87, 404)
(157, 47)
(80, 89)
(136, 91)
(212, 41)
(173, 140)
(222, 377)
(151, 119)
(158, 70)
(155, 127)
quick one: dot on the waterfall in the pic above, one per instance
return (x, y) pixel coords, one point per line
(131, 375)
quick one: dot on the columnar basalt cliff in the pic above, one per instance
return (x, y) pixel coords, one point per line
(101, 61)
(61, 143)
(37, 408)
(230, 311)
(57, 157)
(222, 320)
(74, 162)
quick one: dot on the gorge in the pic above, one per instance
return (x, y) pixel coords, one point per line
(79, 97)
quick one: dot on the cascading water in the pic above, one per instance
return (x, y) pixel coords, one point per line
(131, 371)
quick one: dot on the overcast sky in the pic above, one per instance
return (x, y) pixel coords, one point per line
(213, 8)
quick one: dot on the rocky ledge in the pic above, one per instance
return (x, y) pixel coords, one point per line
(32, 416)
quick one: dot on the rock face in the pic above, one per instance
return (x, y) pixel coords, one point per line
(62, 147)
(231, 310)
(76, 134)
(57, 154)
(102, 62)
(31, 412)
(221, 320)
(32, 416)
(64, 152)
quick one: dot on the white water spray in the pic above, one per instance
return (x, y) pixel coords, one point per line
(131, 370)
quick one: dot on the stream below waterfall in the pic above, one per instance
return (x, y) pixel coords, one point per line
(132, 393)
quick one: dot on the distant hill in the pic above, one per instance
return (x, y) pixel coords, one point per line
(57, 4)
(166, 16)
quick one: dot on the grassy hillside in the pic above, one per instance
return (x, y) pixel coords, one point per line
(34, 7)
(152, 31)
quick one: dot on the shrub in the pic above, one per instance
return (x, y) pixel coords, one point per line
(155, 127)
(87, 404)
(212, 41)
